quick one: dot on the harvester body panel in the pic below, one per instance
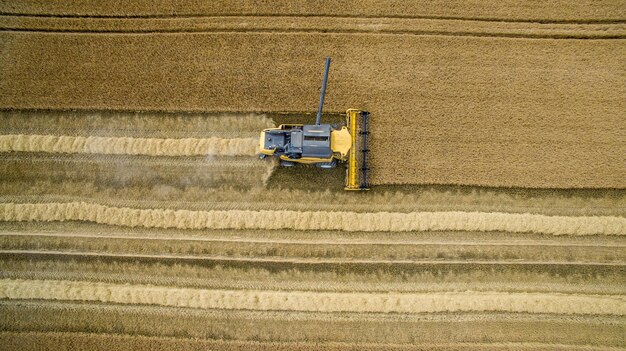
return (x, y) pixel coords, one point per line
(306, 143)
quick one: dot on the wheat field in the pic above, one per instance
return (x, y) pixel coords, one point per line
(134, 213)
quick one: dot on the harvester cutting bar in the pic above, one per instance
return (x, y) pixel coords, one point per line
(364, 150)
(356, 177)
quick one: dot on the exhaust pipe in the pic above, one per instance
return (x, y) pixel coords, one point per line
(318, 119)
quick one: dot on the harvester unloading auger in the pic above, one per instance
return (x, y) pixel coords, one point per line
(323, 145)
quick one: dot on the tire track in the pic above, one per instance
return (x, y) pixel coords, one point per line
(303, 15)
(309, 301)
(318, 24)
(348, 241)
(307, 250)
(343, 221)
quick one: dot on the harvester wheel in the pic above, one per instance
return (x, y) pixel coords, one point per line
(287, 164)
(328, 165)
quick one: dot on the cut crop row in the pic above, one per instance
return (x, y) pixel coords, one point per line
(16, 289)
(313, 220)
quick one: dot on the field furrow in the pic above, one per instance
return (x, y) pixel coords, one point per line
(498, 283)
(345, 221)
(288, 237)
(312, 301)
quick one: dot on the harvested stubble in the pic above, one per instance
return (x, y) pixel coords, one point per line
(345, 221)
(89, 229)
(138, 124)
(429, 279)
(457, 274)
(608, 202)
(315, 301)
(485, 111)
(122, 170)
(321, 327)
(129, 146)
(111, 342)
(383, 252)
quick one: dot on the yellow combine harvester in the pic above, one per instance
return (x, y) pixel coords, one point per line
(322, 145)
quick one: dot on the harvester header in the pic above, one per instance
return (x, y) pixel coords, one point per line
(356, 172)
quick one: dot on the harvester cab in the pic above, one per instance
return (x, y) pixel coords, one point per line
(323, 145)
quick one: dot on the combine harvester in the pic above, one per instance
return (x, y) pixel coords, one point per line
(323, 145)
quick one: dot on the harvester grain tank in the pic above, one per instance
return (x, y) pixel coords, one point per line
(323, 145)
